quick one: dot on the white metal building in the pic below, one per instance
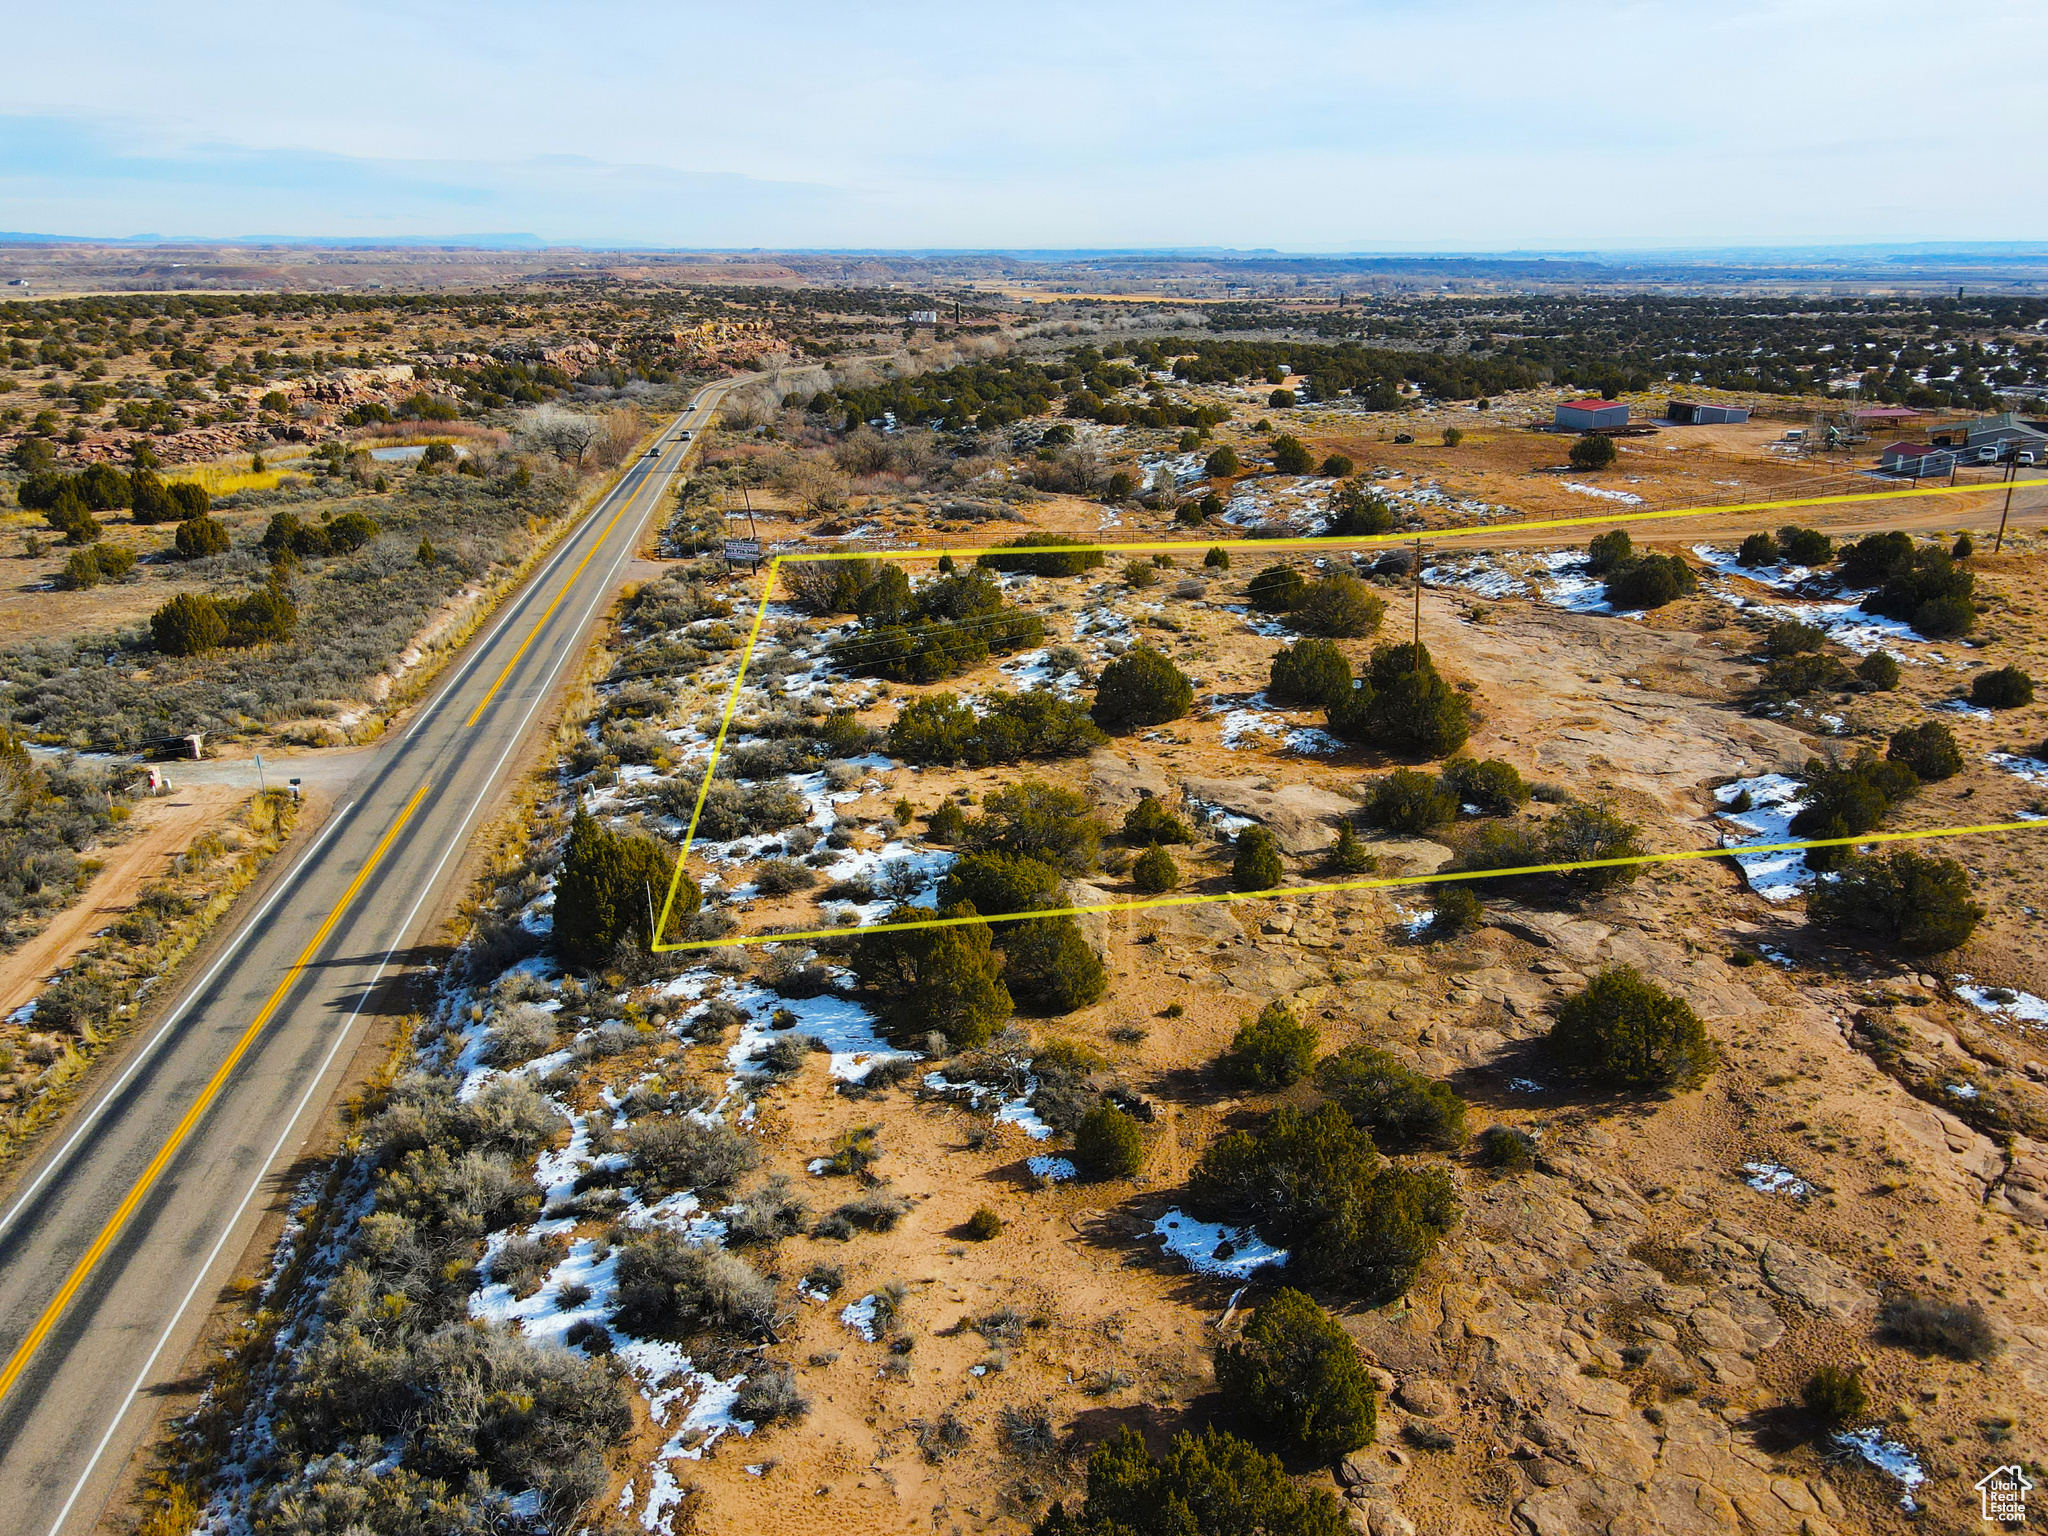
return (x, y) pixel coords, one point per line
(1697, 413)
(1584, 415)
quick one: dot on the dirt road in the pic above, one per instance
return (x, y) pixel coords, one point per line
(166, 828)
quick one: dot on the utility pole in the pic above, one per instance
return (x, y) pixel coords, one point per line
(2011, 475)
(1415, 656)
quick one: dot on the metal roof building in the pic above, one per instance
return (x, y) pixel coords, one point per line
(1698, 413)
(1585, 415)
(1917, 459)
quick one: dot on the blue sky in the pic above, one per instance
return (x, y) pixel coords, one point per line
(1298, 124)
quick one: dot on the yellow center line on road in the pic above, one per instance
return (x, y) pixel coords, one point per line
(548, 612)
(25, 1351)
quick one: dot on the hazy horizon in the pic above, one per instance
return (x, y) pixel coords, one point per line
(1314, 128)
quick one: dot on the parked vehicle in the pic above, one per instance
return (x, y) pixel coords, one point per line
(1987, 455)
(2025, 457)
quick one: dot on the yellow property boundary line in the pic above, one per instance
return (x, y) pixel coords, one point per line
(1340, 541)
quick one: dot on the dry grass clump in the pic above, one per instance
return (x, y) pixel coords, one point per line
(1962, 1331)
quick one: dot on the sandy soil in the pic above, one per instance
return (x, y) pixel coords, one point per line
(1609, 1340)
(32, 607)
(163, 828)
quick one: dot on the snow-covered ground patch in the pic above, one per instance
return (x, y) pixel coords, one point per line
(1217, 819)
(1413, 923)
(1966, 709)
(1480, 574)
(846, 1029)
(1172, 469)
(1214, 1249)
(2031, 770)
(1033, 670)
(1301, 504)
(1786, 578)
(1239, 724)
(1775, 1179)
(1774, 799)
(1311, 741)
(1889, 1456)
(1054, 1170)
(859, 1316)
(1842, 617)
(1567, 582)
(1015, 1111)
(2005, 1002)
(543, 1314)
(1626, 498)
(1560, 577)
(1261, 624)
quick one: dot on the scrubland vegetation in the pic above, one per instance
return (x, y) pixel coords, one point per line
(972, 1184)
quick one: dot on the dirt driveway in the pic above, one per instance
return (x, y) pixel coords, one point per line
(164, 829)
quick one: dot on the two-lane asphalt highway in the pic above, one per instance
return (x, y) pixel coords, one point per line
(115, 1240)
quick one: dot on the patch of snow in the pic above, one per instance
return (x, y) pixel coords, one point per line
(1312, 741)
(1774, 801)
(1031, 670)
(1888, 1456)
(1018, 1112)
(1216, 817)
(846, 1029)
(1177, 468)
(860, 1316)
(2031, 770)
(2021, 1007)
(1259, 623)
(1213, 1249)
(1785, 578)
(1965, 708)
(1775, 1179)
(1054, 1170)
(1571, 585)
(1961, 1090)
(1238, 724)
(1524, 1085)
(1010, 1111)
(1845, 621)
(1414, 923)
(1479, 574)
(1627, 498)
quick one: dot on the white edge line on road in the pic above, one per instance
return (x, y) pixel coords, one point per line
(263, 1172)
(454, 682)
(463, 672)
(247, 926)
